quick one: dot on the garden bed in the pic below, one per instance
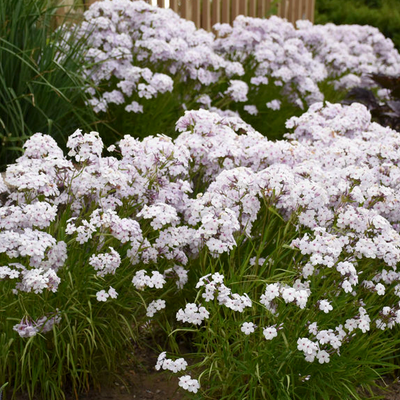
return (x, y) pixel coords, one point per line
(251, 217)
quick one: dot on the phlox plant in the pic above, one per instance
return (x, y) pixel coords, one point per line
(276, 260)
(300, 307)
(289, 67)
(66, 320)
(147, 60)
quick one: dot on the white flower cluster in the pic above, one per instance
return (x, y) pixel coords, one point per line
(87, 147)
(311, 350)
(142, 280)
(214, 286)
(28, 328)
(298, 294)
(107, 222)
(45, 256)
(155, 306)
(191, 385)
(361, 321)
(37, 279)
(237, 90)
(105, 263)
(161, 214)
(130, 40)
(41, 154)
(39, 214)
(192, 314)
(167, 364)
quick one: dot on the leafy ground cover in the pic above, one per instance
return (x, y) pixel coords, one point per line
(384, 14)
(260, 265)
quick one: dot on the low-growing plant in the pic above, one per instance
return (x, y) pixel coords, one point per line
(281, 256)
(148, 60)
(307, 285)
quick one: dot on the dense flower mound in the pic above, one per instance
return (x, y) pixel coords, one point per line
(138, 52)
(350, 52)
(297, 59)
(272, 51)
(132, 41)
(152, 213)
(339, 172)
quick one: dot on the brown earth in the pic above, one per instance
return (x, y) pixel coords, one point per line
(151, 386)
(390, 389)
(139, 381)
(142, 382)
(145, 383)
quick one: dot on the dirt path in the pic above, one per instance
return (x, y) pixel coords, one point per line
(142, 382)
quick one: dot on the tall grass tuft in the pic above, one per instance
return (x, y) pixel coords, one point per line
(40, 82)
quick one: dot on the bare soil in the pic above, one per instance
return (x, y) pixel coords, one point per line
(151, 386)
(390, 389)
(139, 381)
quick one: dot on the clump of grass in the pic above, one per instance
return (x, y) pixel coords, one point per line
(41, 85)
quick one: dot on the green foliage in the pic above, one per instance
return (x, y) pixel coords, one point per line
(40, 83)
(383, 14)
(270, 123)
(159, 115)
